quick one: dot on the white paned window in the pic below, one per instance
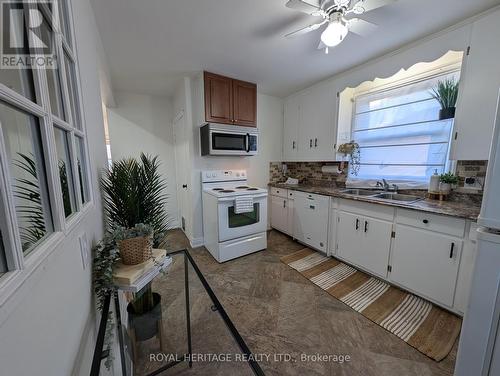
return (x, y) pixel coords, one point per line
(44, 174)
(400, 135)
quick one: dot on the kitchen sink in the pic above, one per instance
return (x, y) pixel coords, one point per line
(360, 192)
(397, 197)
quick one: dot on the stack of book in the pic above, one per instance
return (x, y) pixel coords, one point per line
(134, 277)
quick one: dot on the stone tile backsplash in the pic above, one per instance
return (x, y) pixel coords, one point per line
(308, 173)
(471, 169)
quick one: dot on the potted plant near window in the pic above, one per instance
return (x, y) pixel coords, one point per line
(446, 94)
(351, 149)
(134, 203)
(446, 181)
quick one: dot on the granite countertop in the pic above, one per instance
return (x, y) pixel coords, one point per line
(468, 209)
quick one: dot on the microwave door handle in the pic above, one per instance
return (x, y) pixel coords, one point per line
(248, 142)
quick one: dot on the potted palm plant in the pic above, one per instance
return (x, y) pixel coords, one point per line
(446, 93)
(134, 203)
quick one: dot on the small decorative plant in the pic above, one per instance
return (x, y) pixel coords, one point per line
(448, 178)
(351, 149)
(446, 93)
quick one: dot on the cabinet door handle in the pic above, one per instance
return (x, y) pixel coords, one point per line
(284, 203)
(293, 145)
(315, 142)
(312, 207)
(366, 226)
(357, 224)
(310, 143)
(451, 249)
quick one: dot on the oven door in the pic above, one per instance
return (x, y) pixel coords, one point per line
(233, 226)
(232, 143)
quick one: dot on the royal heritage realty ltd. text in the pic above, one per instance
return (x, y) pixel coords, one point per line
(239, 357)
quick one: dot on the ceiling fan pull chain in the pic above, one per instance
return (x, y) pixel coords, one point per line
(326, 50)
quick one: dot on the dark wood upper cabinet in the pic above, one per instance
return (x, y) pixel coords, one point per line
(218, 99)
(244, 103)
(230, 101)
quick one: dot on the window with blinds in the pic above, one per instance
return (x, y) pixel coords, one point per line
(399, 132)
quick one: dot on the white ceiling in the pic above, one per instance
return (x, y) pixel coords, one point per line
(150, 44)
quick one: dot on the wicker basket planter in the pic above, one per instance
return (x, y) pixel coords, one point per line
(135, 251)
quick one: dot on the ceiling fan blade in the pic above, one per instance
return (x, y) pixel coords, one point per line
(364, 6)
(306, 29)
(305, 6)
(321, 45)
(361, 27)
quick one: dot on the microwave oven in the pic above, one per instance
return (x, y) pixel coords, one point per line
(218, 139)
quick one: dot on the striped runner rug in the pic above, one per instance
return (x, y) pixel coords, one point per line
(421, 324)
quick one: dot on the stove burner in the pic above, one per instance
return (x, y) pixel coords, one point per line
(252, 189)
(218, 189)
(227, 191)
(242, 187)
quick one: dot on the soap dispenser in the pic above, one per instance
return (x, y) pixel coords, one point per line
(434, 182)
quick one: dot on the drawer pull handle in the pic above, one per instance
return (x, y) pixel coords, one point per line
(312, 207)
(357, 224)
(366, 226)
(425, 221)
(451, 250)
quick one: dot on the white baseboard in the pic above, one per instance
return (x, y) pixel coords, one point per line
(196, 242)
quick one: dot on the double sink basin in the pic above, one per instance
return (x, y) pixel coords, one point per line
(381, 195)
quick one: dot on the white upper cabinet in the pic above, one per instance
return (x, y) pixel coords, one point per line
(311, 121)
(291, 129)
(478, 95)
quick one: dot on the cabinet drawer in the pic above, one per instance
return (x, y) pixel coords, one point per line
(319, 200)
(367, 209)
(280, 192)
(432, 222)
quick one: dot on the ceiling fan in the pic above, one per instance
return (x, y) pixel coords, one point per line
(340, 15)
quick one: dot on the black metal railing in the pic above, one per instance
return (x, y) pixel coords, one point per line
(100, 353)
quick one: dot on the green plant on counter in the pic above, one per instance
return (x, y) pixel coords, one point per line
(446, 93)
(448, 178)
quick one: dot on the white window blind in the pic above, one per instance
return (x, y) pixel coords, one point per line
(399, 133)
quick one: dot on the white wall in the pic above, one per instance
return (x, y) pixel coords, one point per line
(47, 326)
(143, 123)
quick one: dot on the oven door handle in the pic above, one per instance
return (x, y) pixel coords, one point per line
(248, 142)
(255, 197)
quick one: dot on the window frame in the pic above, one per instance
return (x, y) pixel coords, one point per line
(455, 67)
(21, 266)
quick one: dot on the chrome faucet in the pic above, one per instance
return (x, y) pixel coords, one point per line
(383, 184)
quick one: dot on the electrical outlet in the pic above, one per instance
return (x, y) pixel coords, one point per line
(84, 250)
(473, 182)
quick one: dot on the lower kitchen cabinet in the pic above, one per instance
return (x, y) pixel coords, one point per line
(364, 241)
(311, 220)
(279, 213)
(426, 262)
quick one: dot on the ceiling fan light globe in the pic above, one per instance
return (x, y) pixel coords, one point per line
(358, 9)
(334, 34)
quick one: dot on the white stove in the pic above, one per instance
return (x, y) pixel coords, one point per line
(234, 214)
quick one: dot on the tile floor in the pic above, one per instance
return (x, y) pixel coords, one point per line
(276, 310)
